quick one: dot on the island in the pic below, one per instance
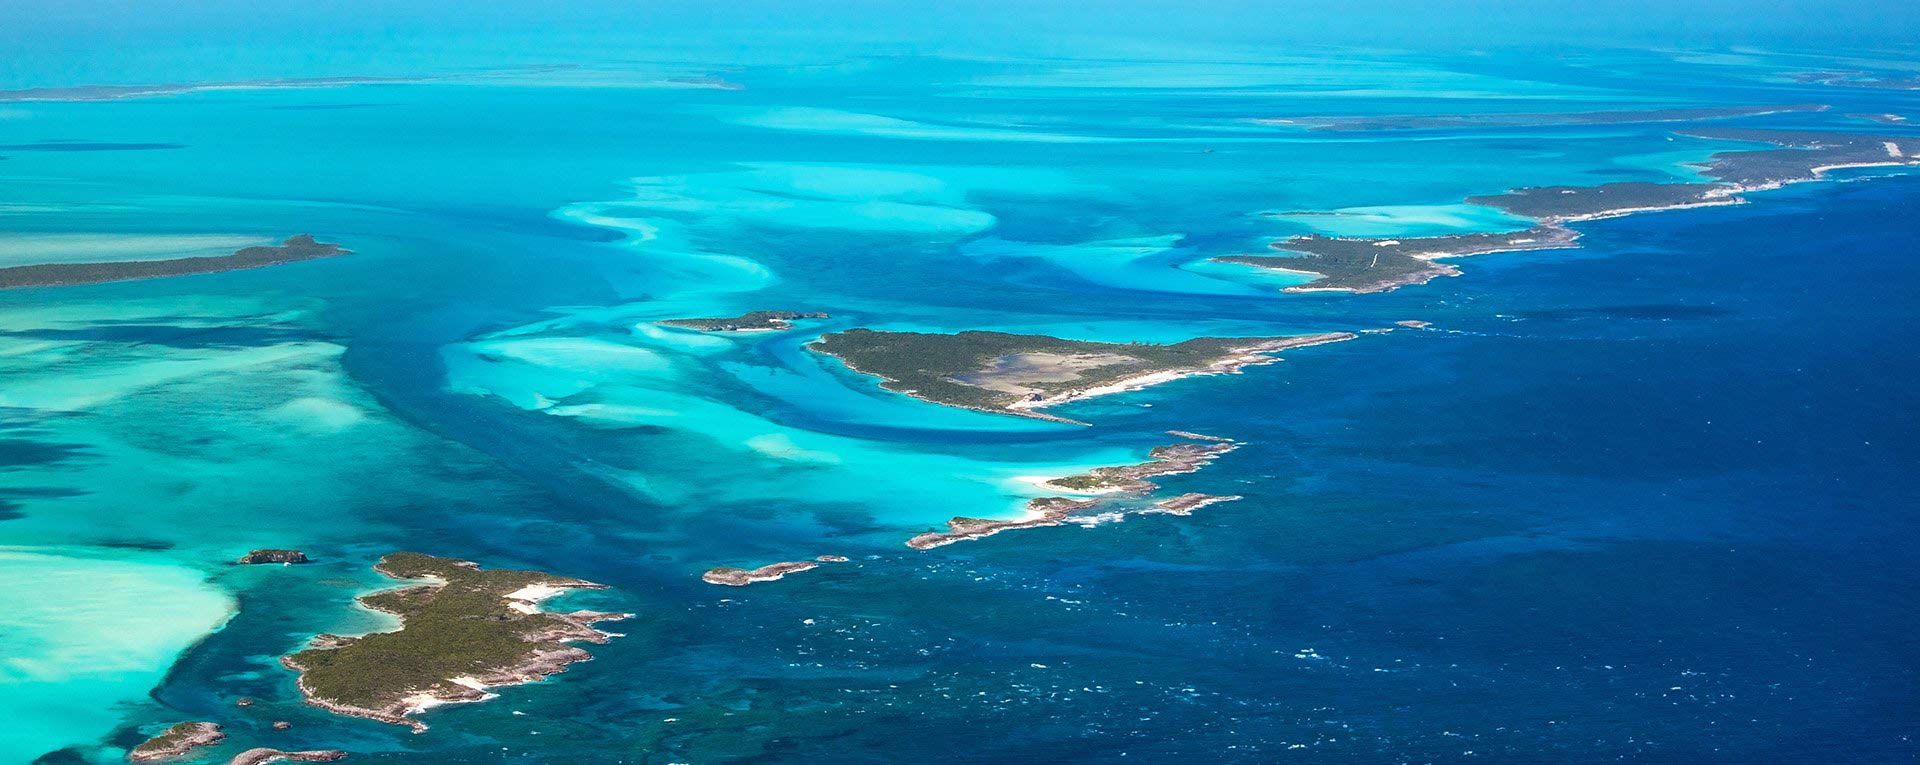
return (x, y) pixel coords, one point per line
(1884, 119)
(264, 755)
(463, 630)
(1379, 264)
(751, 321)
(177, 741)
(1538, 119)
(283, 557)
(1118, 486)
(1563, 204)
(1171, 459)
(713, 81)
(1005, 373)
(1804, 155)
(120, 92)
(295, 248)
(741, 577)
(1041, 511)
(1356, 264)
(1860, 80)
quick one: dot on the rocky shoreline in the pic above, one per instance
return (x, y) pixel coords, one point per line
(1171, 459)
(1185, 504)
(1114, 484)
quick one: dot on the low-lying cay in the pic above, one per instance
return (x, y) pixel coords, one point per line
(741, 577)
(752, 321)
(295, 248)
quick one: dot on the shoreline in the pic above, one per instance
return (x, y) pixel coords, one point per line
(1252, 355)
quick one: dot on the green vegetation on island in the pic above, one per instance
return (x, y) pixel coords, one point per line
(1805, 155)
(1568, 203)
(463, 630)
(752, 321)
(295, 248)
(1017, 374)
(177, 741)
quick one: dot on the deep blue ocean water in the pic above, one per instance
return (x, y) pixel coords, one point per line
(1649, 499)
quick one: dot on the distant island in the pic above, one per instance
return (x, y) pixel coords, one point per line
(1856, 79)
(463, 630)
(741, 577)
(752, 321)
(295, 248)
(713, 81)
(1538, 119)
(120, 92)
(1118, 484)
(1006, 373)
(1884, 119)
(177, 741)
(1378, 264)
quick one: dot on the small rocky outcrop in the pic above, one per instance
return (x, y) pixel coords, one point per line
(259, 557)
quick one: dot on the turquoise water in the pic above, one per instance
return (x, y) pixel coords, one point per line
(1550, 527)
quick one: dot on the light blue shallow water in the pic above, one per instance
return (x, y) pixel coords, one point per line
(1647, 499)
